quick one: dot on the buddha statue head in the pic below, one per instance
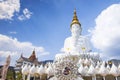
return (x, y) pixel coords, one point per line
(75, 30)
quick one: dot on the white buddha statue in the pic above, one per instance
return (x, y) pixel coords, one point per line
(76, 43)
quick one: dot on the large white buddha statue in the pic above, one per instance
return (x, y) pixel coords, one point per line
(76, 43)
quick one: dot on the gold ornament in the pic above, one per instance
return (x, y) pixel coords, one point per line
(75, 19)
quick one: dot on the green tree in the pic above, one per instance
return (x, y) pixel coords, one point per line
(19, 76)
(10, 74)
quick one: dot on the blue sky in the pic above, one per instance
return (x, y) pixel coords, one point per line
(46, 23)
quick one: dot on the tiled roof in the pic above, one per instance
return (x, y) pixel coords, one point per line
(33, 56)
(31, 59)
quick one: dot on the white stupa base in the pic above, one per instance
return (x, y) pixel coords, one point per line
(54, 78)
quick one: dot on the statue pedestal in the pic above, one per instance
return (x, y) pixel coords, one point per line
(65, 67)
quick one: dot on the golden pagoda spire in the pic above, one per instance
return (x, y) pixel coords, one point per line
(75, 19)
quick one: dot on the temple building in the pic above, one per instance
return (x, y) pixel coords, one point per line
(23, 60)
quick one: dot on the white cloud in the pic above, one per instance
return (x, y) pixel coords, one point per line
(106, 34)
(14, 47)
(62, 49)
(8, 8)
(26, 15)
(13, 32)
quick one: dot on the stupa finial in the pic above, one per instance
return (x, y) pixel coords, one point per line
(75, 19)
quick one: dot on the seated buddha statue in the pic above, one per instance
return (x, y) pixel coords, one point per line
(76, 42)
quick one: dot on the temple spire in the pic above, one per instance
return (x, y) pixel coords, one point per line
(33, 56)
(75, 19)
